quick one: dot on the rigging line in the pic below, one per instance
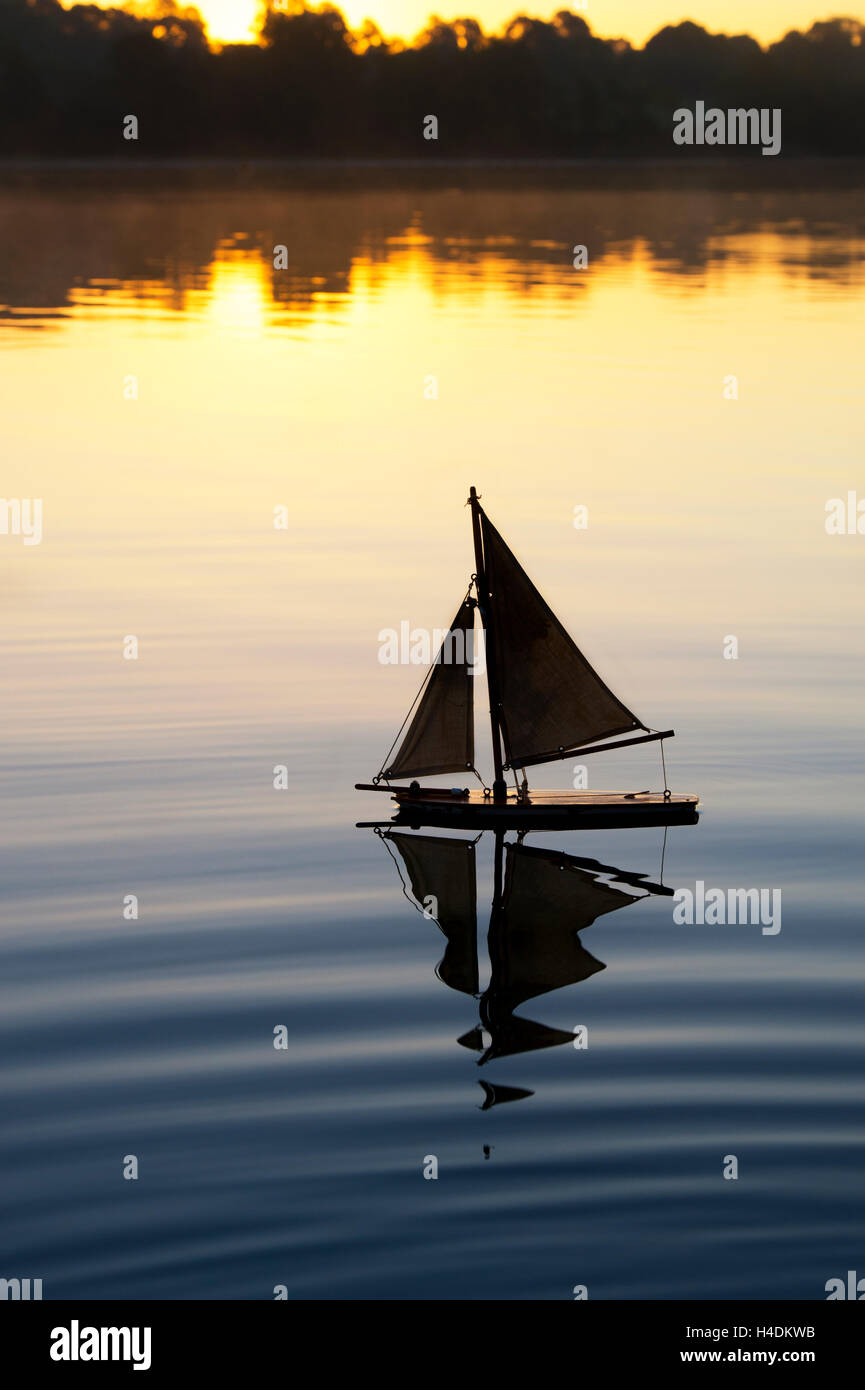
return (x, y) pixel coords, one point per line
(663, 852)
(427, 676)
(479, 777)
(667, 792)
(387, 755)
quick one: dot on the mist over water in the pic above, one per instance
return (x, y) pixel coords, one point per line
(304, 388)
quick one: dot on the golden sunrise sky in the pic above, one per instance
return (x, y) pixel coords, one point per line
(636, 20)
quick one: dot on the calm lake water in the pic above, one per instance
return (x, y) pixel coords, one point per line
(164, 389)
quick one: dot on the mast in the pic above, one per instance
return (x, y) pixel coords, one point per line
(495, 936)
(500, 790)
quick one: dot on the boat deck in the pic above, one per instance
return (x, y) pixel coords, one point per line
(589, 808)
(570, 800)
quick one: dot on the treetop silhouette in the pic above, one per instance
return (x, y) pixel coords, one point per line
(312, 87)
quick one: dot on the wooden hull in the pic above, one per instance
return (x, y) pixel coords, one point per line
(542, 809)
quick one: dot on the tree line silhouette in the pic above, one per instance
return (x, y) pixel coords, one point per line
(311, 87)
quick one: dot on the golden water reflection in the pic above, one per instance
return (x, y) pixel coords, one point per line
(100, 251)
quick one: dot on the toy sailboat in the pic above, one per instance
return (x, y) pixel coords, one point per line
(546, 703)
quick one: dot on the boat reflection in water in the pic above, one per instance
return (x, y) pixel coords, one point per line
(542, 900)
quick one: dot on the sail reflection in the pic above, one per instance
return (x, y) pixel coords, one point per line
(442, 877)
(542, 900)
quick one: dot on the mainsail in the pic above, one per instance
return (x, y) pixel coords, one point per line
(551, 698)
(442, 877)
(441, 736)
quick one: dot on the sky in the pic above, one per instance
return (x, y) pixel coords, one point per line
(636, 20)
